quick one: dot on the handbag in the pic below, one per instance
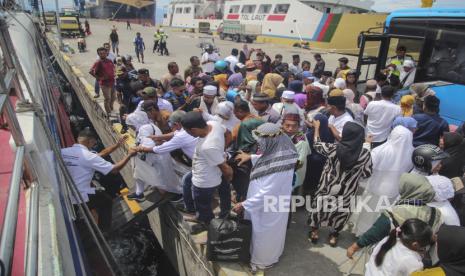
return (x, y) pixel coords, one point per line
(229, 240)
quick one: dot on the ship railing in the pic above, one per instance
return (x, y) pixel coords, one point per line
(11, 72)
(9, 80)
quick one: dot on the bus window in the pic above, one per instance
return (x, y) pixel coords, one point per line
(447, 59)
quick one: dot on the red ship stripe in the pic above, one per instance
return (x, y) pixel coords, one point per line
(325, 27)
(276, 17)
(232, 16)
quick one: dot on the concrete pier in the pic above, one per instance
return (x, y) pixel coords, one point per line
(186, 252)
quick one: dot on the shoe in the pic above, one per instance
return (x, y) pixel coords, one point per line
(96, 96)
(176, 198)
(123, 131)
(198, 228)
(136, 197)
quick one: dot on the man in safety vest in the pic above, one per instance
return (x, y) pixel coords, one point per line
(156, 40)
(397, 62)
(163, 37)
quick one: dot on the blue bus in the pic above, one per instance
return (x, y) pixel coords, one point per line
(435, 39)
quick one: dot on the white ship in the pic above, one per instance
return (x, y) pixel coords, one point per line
(290, 19)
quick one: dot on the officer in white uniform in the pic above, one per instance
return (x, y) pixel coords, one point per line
(82, 164)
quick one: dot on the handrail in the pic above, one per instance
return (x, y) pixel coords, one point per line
(32, 257)
(7, 241)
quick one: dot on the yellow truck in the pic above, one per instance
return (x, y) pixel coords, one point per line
(50, 18)
(70, 25)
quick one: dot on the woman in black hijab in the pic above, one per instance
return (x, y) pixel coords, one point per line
(454, 145)
(346, 162)
(451, 250)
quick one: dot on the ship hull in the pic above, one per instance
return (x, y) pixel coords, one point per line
(301, 23)
(121, 12)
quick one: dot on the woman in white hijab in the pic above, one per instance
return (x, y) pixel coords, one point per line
(390, 161)
(224, 115)
(150, 168)
(444, 190)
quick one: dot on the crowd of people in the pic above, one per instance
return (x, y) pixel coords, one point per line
(252, 127)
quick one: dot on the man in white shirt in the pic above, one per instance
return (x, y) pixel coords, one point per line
(208, 166)
(339, 116)
(150, 93)
(294, 67)
(232, 59)
(380, 115)
(208, 60)
(82, 164)
(321, 83)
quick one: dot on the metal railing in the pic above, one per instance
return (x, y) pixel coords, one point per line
(9, 80)
(7, 241)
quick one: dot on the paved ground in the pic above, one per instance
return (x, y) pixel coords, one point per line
(300, 256)
(181, 46)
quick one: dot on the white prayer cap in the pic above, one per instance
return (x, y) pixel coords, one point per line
(210, 90)
(340, 83)
(288, 95)
(408, 63)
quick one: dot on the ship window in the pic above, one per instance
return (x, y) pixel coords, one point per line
(328, 10)
(187, 10)
(264, 9)
(281, 8)
(248, 8)
(234, 9)
(178, 10)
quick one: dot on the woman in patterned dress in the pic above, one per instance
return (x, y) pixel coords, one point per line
(346, 162)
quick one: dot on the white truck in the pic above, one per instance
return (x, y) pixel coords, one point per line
(239, 32)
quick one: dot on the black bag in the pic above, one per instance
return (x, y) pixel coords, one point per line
(229, 240)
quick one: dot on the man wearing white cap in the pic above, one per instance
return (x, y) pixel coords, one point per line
(288, 105)
(209, 100)
(407, 76)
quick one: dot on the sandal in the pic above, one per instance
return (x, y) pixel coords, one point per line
(313, 236)
(333, 240)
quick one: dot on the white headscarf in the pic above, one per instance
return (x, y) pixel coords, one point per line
(442, 186)
(390, 160)
(137, 119)
(226, 110)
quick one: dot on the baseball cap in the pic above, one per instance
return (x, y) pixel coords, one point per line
(307, 75)
(149, 91)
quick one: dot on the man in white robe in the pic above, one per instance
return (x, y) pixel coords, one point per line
(271, 176)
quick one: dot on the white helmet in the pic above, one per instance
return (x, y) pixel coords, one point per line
(161, 31)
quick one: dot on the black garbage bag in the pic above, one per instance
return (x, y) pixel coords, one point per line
(229, 240)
